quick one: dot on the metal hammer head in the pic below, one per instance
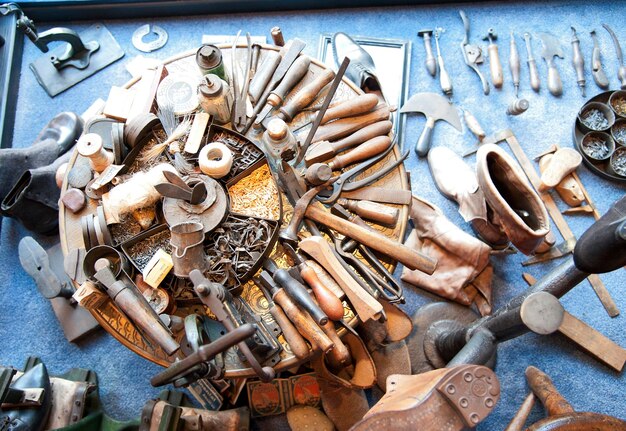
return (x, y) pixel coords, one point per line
(491, 35)
(426, 32)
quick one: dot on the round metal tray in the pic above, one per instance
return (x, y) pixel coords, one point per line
(600, 169)
(116, 323)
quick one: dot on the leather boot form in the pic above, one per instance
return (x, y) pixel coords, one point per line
(29, 418)
(457, 181)
(445, 399)
(361, 70)
(55, 139)
(34, 199)
(461, 258)
(517, 207)
(157, 413)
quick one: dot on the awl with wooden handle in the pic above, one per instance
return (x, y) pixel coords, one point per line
(341, 128)
(495, 67)
(364, 304)
(535, 82)
(364, 151)
(263, 75)
(300, 318)
(374, 240)
(514, 64)
(327, 300)
(305, 96)
(351, 107)
(543, 314)
(324, 150)
(295, 340)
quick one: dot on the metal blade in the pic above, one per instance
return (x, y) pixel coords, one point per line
(551, 47)
(555, 252)
(435, 106)
(618, 48)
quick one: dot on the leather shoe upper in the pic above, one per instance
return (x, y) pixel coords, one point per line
(361, 70)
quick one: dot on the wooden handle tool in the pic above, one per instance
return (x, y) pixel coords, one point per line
(474, 126)
(373, 211)
(296, 342)
(327, 300)
(366, 150)
(355, 106)
(374, 240)
(341, 128)
(324, 150)
(543, 314)
(305, 96)
(544, 389)
(295, 73)
(364, 304)
(340, 355)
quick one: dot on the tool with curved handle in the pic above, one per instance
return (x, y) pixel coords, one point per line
(597, 71)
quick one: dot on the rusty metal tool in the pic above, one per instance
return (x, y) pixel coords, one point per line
(519, 420)
(472, 54)
(621, 72)
(578, 61)
(320, 114)
(295, 48)
(444, 78)
(495, 66)
(341, 182)
(177, 188)
(429, 60)
(216, 297)
(552, 48)
(240, 97)
(295, 340)
(198, 363)
(364, 304)
(301, 319)
(306, 95)
(374, 240)
(514, 64)
(328, 301)
(351, 107)
(296, 72)
(535, 82)
(543, 314)
(597, 71)
(296, 291)
(435, 108)
(364, 151)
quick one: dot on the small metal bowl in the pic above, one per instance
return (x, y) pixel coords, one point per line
(618, 132)
(618, 162)
(603, 109)
(619, 95)
(599, 151)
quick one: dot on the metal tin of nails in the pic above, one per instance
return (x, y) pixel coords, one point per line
(598, 146)
(596, 117)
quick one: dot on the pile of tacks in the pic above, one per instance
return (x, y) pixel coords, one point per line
(228, 299)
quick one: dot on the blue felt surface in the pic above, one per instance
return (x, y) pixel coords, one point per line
(28, 325)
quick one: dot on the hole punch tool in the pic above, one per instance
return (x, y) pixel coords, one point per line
(472, 54)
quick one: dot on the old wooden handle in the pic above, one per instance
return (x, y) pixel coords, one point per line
(340, 355)
(306, 95)
(303, 322)
(495, 66)
(295, 73)
(364, 151)
(355, 106)
(363, 303)
(297, 344)
(379, 242)
(340, 128)
(543, 388)
(373, 211)
(327, 300)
